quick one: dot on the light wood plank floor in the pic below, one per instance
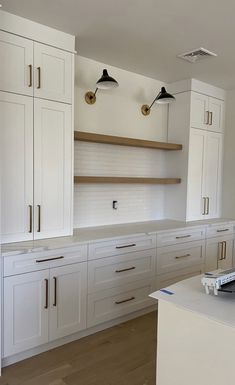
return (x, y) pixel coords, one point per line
(122, 355)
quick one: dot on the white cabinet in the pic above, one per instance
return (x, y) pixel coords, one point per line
(52, 168)
(16, 58)
(53, 73)
(206, 112)
(68, 294)
(219, 253)
(204, 174)
(25, 311)
(16, 155)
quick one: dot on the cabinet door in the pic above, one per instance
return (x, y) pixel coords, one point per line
(68, 300)
(219, 253)
(53, 73)
(213, 170)
(52, 168)
(216, 108)
(196, 178)
(16, 58)
(25, 311)
(199, 111)
(16, 155)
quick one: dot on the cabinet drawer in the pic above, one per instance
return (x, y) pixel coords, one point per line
(122, 269)
(165, 280)
(180, 236)
(219, 230)
(121, 246)
(171, 258)
(23, 263)
(110, 304)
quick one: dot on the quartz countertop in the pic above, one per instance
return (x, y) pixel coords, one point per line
(94, 234)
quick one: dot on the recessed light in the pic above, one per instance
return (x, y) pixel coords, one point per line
(0, 5)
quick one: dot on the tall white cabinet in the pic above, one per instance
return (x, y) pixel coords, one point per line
(36, 108)
(196, 120)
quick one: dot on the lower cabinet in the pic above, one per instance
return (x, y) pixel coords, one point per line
(42, 306)
(219, 253)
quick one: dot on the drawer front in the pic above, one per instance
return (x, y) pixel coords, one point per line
(180, 236)
(219, 230)
(24, 263)
(165, 280)
(121, 246)
(110, 304)
(122, 269)
(171, 258)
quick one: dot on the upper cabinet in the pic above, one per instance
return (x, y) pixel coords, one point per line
(206, 112)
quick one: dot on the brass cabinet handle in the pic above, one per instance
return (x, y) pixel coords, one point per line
(207, 117)
(182, 256)
(221, 251)
(207, 205)
(211, 118)
(30, 218)
(55, 291)
(30, 75)
(222, 230)
(39, 218)
(49, 259)
(125, 300)
(47, 292)
(204, 206)
(127, 269)
(225, 250)
(183, 236)
(39, 77)
(124, 246)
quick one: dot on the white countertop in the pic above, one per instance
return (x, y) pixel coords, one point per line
(94, 234)
(190, 295)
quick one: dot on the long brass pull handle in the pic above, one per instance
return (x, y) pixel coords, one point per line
(221, 251)
(124, 246)
(55, 291)
(125, 300)
(39, 77)
(207, 117)
(183, 236)
(182, 256)
(207, 205)
(39, 218)
(211, 118)
(30, 75)
(204, 206)
(30, 218)
(225, 250)
(48, 259)
(127, 269)
(47, 292)
(222, 230)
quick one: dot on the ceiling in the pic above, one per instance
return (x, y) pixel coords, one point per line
(145, 36)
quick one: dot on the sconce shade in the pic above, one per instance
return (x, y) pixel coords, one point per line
(164, 98)
(106, 81)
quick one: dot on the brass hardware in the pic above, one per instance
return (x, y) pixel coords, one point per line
(55, 291)
(225, 250)
(127, 269)
(222, 230)
(207, 205)
(145, 109)
(124, 300)
(47, 292)
(207, 117)
(39, 218)
(39, 77)
(221, 251)
(90, 97)
(30, 75)
(182, 256)
(124, 246)
(183, 236)
(211, 117)
(30, 218)
(204, 206)
(49, 259)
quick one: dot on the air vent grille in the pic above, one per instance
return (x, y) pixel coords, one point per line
(196, 55)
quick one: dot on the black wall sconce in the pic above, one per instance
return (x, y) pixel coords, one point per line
(162, 98)
(104, 83)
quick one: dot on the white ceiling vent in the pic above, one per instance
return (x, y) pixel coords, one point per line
(196, 55)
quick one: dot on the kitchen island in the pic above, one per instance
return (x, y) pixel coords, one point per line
(196, 335)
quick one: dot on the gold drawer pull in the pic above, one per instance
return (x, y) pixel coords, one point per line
(183, 236)
(222, 230)
(123, 247)
(49, 259)
(182, 256)
(124, 300)
(127, 269)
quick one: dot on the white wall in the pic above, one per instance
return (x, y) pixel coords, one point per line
(117, 112)
(228, 197)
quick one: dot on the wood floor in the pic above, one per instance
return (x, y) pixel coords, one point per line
(122, 355)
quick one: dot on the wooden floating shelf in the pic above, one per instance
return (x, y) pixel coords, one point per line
(117, 179)
(122, 141)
